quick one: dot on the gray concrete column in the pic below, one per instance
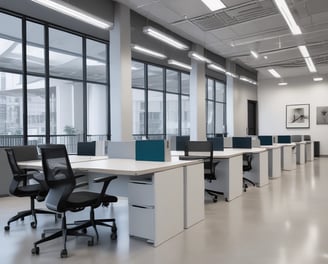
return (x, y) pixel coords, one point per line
(120, 75)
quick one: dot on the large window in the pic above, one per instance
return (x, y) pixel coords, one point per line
(160, 101)
(57, 94)
(216, 107)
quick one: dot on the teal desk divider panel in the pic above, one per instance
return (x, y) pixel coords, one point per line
(242, 142)
(217, 143)
(151, 150)
(266, 140)
(284, 139)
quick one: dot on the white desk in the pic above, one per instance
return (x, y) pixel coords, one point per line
(309, 151)
(300, 152)
(259, 174)
(274, 160)
(229, 173)
(288, 156)
(164, 197)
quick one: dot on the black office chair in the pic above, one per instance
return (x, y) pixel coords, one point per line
(86, 148)
(247, 166)
(61, 181)
(204, 150)
(21, 187)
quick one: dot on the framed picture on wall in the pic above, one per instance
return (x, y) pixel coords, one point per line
(298, 116)
(322, 115)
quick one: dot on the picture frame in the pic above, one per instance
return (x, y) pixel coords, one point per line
(298, 116)
(322, 115)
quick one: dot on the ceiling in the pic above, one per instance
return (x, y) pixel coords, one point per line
(248, 25)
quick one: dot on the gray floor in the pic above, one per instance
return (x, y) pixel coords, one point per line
(285, 222)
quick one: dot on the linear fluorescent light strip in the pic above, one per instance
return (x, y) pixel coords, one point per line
(214, 5)
(198, 57)
(233, 75)
(285, 12)
(216, 68)
(255, 55)
(306, 55)
(74, 12)
(165, 38)
(318, 79)
(148, 52)
(274, 73)
(245, 79)
(282, 84)
(179, 64)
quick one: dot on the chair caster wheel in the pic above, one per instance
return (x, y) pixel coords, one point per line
(226, 199)
(215, 200)
(43, 235)
(6, 228)
(22, 218)
(113, 236)
(63, 253)
(84, 231)
(59, 216)
(33, 224)
(90, 243)
(35, 251)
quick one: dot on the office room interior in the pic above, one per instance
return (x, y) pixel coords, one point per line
(137, 70)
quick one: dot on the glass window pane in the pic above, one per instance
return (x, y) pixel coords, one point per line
(210, 117)
(11, 109)
(10, 42)
(219, 92)
(36, 110)
(185, 115)
(185, 83)
(172, 114)
(138, 97)
(35, 48)
(172, 81)
(219, 116)
(210, 89)
(66, 113)
(155, 112)
(97, 109)
(65, 54)
(96, 61)
(155, 78)
(138, 74)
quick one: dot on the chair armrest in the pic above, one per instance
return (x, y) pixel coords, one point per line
(81, 184)
(104, 179)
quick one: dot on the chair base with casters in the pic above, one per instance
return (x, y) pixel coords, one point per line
(245, 185)
(31, 212)
(214, 194)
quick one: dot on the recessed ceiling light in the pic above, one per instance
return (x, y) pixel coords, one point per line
(317, 79)
(274, 73)
(254, 54)
(265, 57)
(214, 5)
(285, 12)
(282, 84)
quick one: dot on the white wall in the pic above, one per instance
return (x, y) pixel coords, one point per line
(238, 93)
(272, 101)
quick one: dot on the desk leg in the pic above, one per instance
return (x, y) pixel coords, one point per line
(193, 194)
(259, 172)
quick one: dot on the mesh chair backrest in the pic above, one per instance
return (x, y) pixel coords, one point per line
(86, 148)
(13, 163)
(247, 161)
(58, 175)
(203, 149)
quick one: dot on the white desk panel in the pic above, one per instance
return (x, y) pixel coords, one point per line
(300, 152)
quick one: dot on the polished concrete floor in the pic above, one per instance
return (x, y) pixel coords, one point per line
(285, 222)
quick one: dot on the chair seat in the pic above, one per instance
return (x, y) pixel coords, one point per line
(28, 190)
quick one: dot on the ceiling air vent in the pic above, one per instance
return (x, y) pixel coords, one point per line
(237, 14)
